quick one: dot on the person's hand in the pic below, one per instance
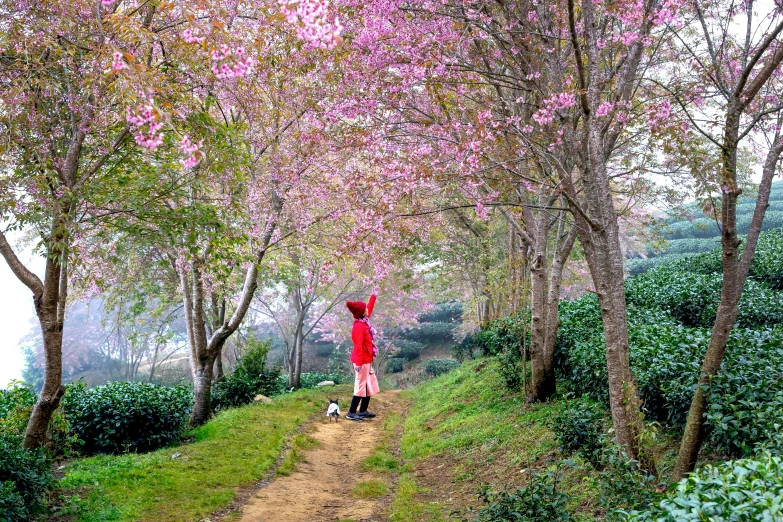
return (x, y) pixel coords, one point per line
(356, 368)
(375, 290)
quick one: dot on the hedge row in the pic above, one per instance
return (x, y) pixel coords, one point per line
(767, 264)
(692, 298)
(703, 227)
(665, 359)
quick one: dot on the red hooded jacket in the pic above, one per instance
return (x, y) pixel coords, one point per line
(362, 342)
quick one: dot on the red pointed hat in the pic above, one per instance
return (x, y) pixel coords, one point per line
(357, 308)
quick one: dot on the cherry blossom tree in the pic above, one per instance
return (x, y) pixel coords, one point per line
(82, 85)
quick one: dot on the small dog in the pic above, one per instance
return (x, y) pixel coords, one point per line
(333, 411)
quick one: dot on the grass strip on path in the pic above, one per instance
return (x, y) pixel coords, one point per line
(235, 449)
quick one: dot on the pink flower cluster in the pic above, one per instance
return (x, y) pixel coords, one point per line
(118, 63)
(546, 114)
(313, 25)
(145, 115)
(604, 109)
(231, 63)
(192, 36)
(659, 113)
(191, 151)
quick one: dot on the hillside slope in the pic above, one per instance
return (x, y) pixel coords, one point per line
(464, 433)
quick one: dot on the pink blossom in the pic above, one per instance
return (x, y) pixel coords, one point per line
(604, 109)
(118, 63)
(192, 36)
(191, 151)
(313, 25)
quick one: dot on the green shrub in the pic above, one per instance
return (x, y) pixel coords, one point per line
(624, 486)
(443, 313)
(693, 298)
(539, 501)
(502, 335)
(486, 342)
(16, 405)
(698, 227)
(395, 364)
(512, 370)
(24, 476)
(12, 505)
(431, 332)
(127, 416)
(749, 489)
(466, 350)
(250, 378)
(579, 428)
(437, 367)
(408, 350)
(768, 262)
(692, 245)
(744, 398)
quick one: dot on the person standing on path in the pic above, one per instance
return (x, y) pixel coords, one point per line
(364, 352)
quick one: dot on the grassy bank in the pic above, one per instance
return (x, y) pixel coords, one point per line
(465, 432)
(235, 449)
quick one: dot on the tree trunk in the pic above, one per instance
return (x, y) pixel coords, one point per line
(50, 309)
(542, 384)
(219, 367)
(295, 357)
(202, 391)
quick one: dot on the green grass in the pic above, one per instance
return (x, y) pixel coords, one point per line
(487, 432)
(299, 444)
(405, 507)
(370, 489)
(235, 449)
(381, 459)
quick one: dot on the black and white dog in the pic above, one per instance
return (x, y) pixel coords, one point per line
(333, 411)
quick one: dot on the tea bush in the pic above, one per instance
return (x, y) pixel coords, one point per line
(16, 404)
(127, 416)
(693, 298)
(512, 369)
(24, 475)
(431, 332)
(539, 501)
(443, 313)
(624, 486)
(408, 350)
(744, 398)
(435, 367)
(579, 427)
(395, 364)
(249, 378)
(748, 489)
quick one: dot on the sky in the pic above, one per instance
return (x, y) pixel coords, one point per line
(16, 314)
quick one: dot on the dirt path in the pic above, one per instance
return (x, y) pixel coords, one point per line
(321, 488)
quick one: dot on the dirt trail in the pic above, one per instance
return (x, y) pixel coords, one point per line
(321, 488)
